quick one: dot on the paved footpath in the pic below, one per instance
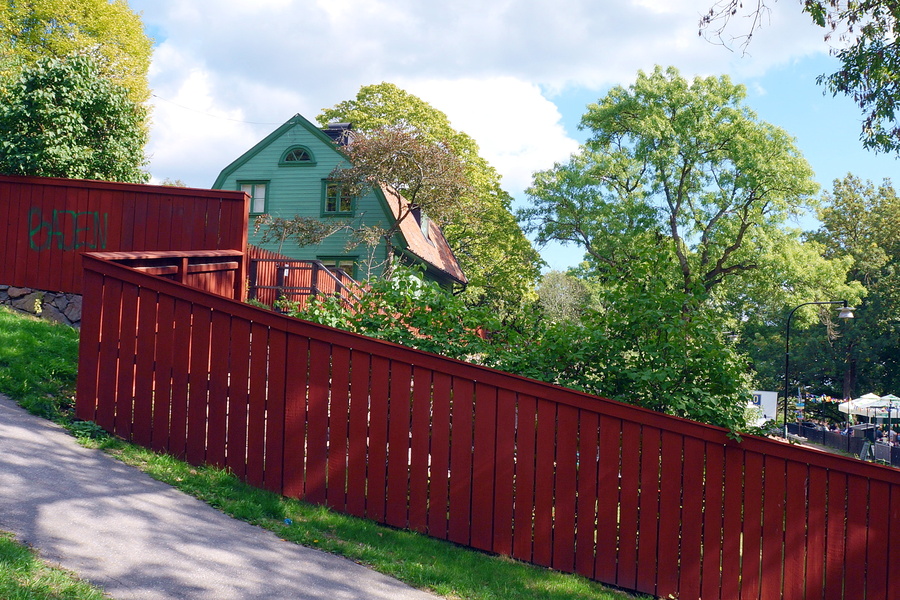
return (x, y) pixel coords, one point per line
(140, 539)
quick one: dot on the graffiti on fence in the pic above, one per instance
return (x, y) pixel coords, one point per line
(67, 229)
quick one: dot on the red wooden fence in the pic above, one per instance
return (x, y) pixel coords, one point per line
(46, 223)
(555, 477)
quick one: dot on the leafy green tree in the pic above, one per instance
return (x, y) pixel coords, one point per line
(498, 259)
(109, 30)
(408, 310)
(679, 199)
(63, 118)
(867, 48)
(861, 223)
(399, 159)
(304, 231)
(563, 297)
(682, 167)
(638, 348)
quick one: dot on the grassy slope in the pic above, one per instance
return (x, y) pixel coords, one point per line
(37, 368)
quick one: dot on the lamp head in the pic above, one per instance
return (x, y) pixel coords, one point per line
(846, 312)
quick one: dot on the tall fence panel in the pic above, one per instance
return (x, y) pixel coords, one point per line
(49, 222)
(500, 463)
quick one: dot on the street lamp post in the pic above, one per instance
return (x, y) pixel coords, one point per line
(846, 313)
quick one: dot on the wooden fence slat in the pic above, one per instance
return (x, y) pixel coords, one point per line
(670, 514)
(629, 499)
(692, 518)
(648, 529)
(732, 522)
(797, 509)
(142, 431)
(877, 530)
(462, 418)
(608, 499)
(773, 527)
(127, 359)
(295, 415)
(162, 373)
(109, 353)
(893, 553)
(338, 429)
(817, 497)
(378, 439)
(238, 398)
(89, 348)
(399, 414)
(564, 505)
(483, 463)
(198, 382)
(857, 532)
(439, 484)
(836, 536)
(180, 367)
(752, 526)
(419, 450)
(357, 460)
(317, 421)
(504, 472)
(526, 443)
(256, 416)
(217, 415)
(542, 553)
(275, 442)
(713, 523)
(586, 521)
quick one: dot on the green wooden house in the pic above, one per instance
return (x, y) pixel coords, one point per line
(287, 174)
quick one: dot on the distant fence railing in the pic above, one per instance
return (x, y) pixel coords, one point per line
(504, 464)
(47, 223)
(272, 277)
(846, 443)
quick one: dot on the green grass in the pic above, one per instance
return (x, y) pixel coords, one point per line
(23, 576)
(444, 568)
(38, 364)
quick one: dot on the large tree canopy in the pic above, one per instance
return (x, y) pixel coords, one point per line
(675, 165)
(110, 30)
(498, 260)
(865, 32)
(679, 199)
(63, 118)
(429, 176)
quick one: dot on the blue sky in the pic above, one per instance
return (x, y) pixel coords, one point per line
(516, 75)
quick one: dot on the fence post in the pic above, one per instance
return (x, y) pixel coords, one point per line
(251, 276)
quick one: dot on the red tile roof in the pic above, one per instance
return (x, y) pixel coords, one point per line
(434, 250)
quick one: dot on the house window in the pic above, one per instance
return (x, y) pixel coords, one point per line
(424, 224)
(297, 156)
(347, 264)
(335, 201)
(257, 190)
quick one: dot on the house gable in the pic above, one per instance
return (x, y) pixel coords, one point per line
(287, 188)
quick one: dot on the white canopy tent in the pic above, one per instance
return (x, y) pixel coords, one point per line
(872, 406)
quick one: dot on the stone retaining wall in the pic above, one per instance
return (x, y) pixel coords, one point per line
(53, 306)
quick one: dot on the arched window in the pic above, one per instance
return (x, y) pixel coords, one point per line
(297, 156)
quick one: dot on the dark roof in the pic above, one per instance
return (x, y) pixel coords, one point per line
(338, 132)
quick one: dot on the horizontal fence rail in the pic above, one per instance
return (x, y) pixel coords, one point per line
(47, 223)
(622, 495)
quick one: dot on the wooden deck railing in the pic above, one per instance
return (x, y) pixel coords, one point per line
(272, 277)
(504, 464)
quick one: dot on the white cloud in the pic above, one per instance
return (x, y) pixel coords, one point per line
(483, 62)
(517, 129)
